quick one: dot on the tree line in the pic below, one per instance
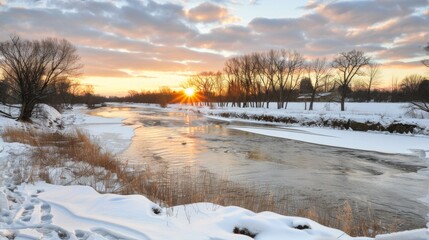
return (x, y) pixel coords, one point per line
(282, 76)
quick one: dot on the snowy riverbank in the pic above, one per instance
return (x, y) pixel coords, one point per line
(377, 113)
(375, 117)
(43, 211)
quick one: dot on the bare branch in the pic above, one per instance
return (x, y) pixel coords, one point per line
(348, 65)
(34, 68)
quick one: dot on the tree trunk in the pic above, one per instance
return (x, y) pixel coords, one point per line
(26, 111)
(368, 95)
(313, 95)
(343, 98)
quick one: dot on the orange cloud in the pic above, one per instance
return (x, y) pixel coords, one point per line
(208, 12)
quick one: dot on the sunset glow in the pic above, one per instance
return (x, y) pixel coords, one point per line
(189, 92)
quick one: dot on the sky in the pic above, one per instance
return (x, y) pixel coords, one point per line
(143, 45)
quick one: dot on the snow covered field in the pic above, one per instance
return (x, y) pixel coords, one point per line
(43, 211)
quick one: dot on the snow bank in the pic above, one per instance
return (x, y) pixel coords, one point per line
(386, 115)
(47, 116)
(418, 234)
(110, 133)
(44, 211)
(395, 144)
(80, 210)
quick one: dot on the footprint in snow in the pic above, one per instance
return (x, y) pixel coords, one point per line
(85, 235)
(27, 212)
(5, 216)
(47, 218)
(110, 235)
(54, 232)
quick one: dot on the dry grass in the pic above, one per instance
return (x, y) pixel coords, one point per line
(72, 158)
(66, 158)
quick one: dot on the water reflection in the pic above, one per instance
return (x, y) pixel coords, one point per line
(391, 184)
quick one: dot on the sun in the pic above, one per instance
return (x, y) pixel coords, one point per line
(189, 92)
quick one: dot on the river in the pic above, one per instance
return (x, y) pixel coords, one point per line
(389, 184)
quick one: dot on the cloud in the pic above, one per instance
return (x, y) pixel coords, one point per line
(134, 35)
(143, 36)
(208, 12)
(368, 12)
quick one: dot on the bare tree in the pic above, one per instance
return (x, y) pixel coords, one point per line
(280, 71)
(232, 73)
(410, 86)
(372, 79)
(261, 80)
(289, 66)
(246, 78)
(88, 94)
(31, 68)
(423, 97)
(349, 65)
(219, 87)
(319, 72)
(269, 70)
(423, 90)
(295, 68)
(204, 83)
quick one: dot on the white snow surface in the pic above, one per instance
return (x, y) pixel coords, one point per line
(81, 210)
(111, 133)
(368, 141)
(52, 212)
(47, 116)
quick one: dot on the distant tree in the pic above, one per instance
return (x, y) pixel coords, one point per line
(88, 93)
(426, 61)
(305, 86)
(409, 87)
(219, 87)
(233, 78)
(423, 90)
(32, 68)
(63, 94)
(290, 67)
(423, 97)
(132, 96)
(349, 65)
(319, 72)
(372, 79)
(164, 96)
(204, 84)
(266, 65)
(422, 101)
